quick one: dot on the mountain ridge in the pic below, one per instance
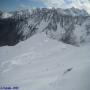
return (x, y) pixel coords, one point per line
(59, 24)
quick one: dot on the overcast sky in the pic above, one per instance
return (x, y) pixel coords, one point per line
(15, 4)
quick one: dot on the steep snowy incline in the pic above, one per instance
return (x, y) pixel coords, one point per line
(40, 63)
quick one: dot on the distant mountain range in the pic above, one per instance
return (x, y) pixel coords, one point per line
(70, 26)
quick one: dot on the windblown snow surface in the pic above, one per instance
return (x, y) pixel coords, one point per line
(40, 63)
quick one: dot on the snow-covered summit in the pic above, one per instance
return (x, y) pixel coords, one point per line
(73, 11)
(43, 61)
(59, 24)
(6, 15)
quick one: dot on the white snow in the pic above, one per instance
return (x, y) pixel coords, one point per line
(40, 63)
(58, 34)
(6, 15)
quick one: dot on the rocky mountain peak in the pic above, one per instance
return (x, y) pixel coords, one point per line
(66, 25)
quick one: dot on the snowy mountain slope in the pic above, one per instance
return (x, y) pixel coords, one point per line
(41, 63)
(59, 24)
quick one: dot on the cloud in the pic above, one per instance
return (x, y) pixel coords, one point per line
(53, 3)
(81, 4)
